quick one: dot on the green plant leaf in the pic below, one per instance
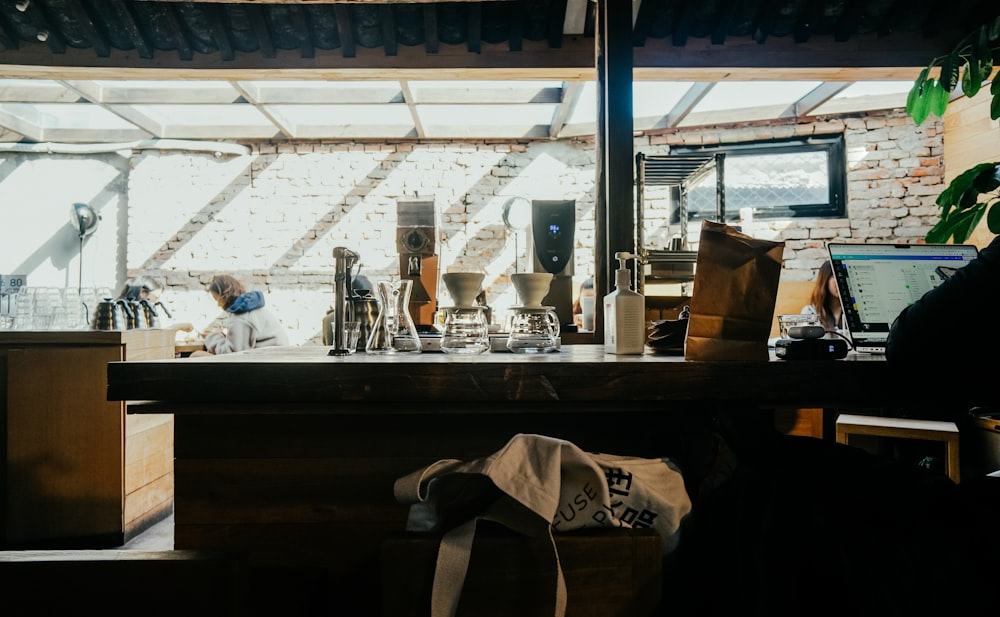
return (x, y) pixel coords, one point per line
(958, 226)
(993, 218)
(949, 70)
(995, 105)
(968, 199)
(962, 183)
(916, 100)
(986, 180)
(972, 79)
(995, 29)
(939, 99)
(968, 225)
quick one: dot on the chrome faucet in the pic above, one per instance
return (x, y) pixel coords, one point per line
(343, 261)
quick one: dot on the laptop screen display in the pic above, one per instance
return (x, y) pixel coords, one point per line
(877, 281)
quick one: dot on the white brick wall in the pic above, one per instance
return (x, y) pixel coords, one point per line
(273, 217)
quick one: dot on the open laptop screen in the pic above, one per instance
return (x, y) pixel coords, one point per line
(877, 281)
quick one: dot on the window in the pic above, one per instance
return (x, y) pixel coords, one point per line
(778, 179)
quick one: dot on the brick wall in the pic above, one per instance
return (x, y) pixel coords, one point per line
(273, 216)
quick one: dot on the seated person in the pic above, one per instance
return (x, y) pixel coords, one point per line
(248, 325)
(150, 289)
(825, 301)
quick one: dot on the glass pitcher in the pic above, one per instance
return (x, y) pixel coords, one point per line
(533, 330)
(465, 330)
(394, 330)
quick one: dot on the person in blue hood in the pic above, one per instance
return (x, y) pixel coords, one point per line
(249, 323)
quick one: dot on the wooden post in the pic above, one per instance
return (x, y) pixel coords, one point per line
(615, 221)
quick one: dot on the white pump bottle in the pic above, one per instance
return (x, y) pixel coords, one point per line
(624, 314)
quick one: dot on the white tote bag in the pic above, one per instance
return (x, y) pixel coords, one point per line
(534, 485)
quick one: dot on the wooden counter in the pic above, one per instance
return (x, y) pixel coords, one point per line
(577, 374)
(290, 455)
(76, 470)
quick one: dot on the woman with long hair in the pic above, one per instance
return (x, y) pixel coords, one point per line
(825, 300)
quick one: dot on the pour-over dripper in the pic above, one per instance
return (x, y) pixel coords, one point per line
(531, 287)
(463, 287)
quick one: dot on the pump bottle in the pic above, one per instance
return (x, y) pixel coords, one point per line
(624, 314)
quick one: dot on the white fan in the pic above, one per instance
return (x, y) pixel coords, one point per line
(84, 219)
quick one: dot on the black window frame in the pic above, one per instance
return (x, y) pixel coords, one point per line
(833, 145)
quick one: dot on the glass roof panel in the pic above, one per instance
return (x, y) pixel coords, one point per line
(740, 94)
(35, 91)
(144, 91)
(383, 108)
(313, 92)
(330, 121)
(862, 96)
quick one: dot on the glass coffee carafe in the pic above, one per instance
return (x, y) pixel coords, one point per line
(465, 331)
(533, 329)
(464, 327)
(394, 330)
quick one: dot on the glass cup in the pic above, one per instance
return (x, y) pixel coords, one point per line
(352, 332)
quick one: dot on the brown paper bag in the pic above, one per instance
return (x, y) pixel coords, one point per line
(735, 287)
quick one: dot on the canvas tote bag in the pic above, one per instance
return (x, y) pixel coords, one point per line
(535, 485)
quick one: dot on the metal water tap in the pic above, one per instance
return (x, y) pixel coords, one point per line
(343, 261)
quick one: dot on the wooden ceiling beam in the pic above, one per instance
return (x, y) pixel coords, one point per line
(475, 28)
(348, 47)
(516, 35)
(721, 28)
(388, 23)
(139, 41)
(557, 19)
(46, 33)
(259, 24)
(431, 42)
(306, 46)
(180, 40)
(86, 23)
(220, 33)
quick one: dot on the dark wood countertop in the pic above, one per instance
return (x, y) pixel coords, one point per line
(578, 374)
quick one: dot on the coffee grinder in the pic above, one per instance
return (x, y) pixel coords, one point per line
(553, 238)
(416, 243)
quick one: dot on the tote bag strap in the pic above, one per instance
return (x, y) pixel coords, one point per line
(455, 551)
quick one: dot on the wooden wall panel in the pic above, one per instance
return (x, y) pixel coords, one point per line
(970, 138)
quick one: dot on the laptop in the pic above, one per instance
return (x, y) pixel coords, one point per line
(877, 281)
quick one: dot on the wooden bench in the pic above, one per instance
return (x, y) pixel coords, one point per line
(904, 428)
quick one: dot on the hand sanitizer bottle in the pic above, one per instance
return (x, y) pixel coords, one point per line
(624, 314)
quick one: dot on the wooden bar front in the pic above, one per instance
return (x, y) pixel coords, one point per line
(76, 471)
(290, 454)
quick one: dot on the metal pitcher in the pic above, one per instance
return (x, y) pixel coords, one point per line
(135, 317)
(111, 315)
(150, 318)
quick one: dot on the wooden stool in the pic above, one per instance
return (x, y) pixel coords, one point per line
(904, 428)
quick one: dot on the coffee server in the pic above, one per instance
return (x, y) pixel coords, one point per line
(416, 243)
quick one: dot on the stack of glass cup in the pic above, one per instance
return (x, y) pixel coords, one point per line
(49, 308)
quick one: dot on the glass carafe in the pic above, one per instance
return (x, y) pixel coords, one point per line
(394, 330)
(465, 330)
(533, 329)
